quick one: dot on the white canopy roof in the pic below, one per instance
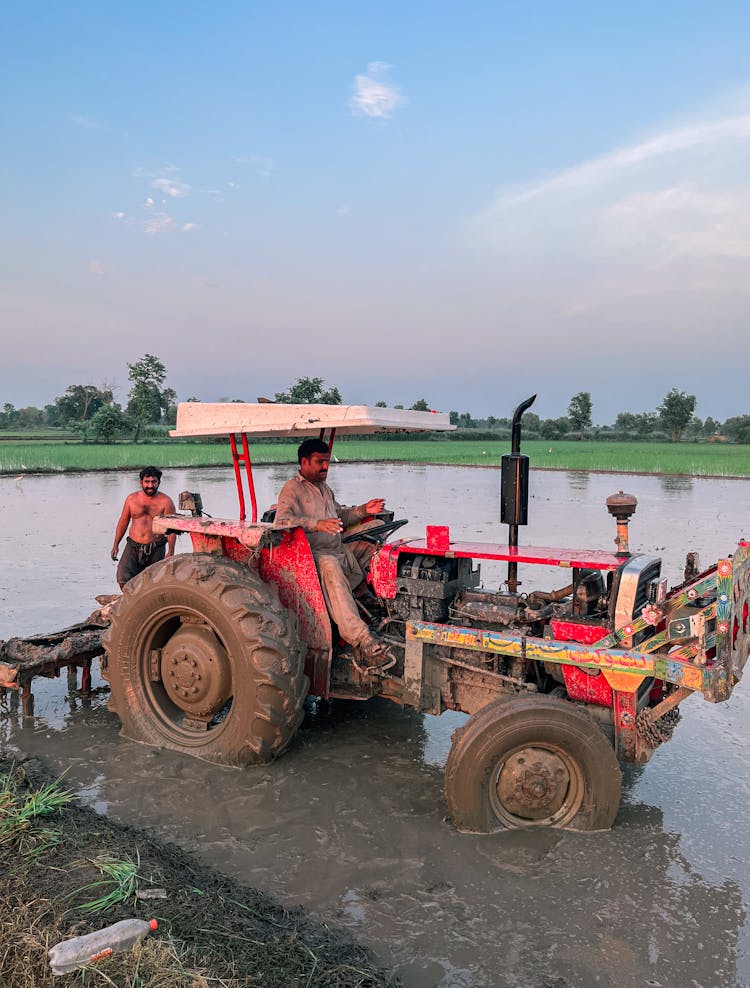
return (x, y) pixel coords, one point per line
(197, 418)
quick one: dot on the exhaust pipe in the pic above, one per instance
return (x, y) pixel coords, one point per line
(514, 489)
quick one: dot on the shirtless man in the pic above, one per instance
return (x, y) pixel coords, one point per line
(139, 511)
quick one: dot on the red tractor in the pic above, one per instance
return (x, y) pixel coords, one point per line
(213, 653)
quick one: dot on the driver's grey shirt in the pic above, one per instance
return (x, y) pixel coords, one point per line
(303, 503)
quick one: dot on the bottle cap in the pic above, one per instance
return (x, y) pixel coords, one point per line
(153, 924)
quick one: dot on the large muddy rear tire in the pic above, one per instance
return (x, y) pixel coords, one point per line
(202, 657)
(531, 761)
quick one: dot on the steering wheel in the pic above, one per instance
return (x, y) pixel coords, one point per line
(376, 533)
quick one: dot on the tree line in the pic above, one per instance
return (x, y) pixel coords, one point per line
(93, 413)
(674, 419)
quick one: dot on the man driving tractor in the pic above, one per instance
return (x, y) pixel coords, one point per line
(308, 502)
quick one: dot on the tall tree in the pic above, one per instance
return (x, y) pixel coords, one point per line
(309, 391)
(8, 416)
(579, 412)
(675, 411)
(52, 415)
(711, 427)
(146, 398)
(81, 401)
(420, 406)
(31, 417)
(738, 428)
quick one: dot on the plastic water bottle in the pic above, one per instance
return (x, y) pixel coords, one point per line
(92, 947)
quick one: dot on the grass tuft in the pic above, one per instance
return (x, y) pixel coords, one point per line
(21, 813)
(121, 878)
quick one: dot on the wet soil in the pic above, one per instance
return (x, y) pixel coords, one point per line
(215, 929)
(350, 824)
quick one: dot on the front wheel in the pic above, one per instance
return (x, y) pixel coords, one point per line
(203, 658)
(531, 761)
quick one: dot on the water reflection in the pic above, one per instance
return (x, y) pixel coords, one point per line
(676, 486)
(578, 480)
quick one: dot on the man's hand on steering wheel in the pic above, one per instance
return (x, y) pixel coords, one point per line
(376, 533)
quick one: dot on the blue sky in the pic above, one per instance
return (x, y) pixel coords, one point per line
(462, 202)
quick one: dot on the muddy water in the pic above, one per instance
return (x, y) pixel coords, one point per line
(350, 823)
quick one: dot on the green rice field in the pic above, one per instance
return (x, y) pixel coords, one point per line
(695, 459)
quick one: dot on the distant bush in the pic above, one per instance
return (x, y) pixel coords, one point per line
(738, 428)
(154, 432)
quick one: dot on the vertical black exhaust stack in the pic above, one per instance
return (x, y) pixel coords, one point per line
(514, 489)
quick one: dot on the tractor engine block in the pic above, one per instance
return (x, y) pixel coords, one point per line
(427, 585)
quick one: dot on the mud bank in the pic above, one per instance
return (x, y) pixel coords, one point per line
(212, 929)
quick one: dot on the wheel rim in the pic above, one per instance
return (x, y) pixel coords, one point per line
(186, 674)
(538, 785)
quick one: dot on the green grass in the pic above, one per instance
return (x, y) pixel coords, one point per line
(40, 457)
(119, 882)
(22, 810)
(696, 459)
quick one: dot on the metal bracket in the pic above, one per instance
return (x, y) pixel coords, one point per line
(154, 665)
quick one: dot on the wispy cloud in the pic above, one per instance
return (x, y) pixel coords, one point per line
(96, 267)
(166, 180)
(153, 217)
(664, 217)
(159, 222)
(171, 187)
(670, 143)
(685, 220)
(373, 95)
(154, 221)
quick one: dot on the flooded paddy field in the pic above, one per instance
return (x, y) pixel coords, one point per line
(350, 823)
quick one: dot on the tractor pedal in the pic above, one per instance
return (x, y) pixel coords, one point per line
(379, 670)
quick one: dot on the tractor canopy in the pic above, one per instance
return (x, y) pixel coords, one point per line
(268, 419)
(196, 418)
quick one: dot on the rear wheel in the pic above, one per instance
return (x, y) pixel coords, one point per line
(531, 761)
(203, 658)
